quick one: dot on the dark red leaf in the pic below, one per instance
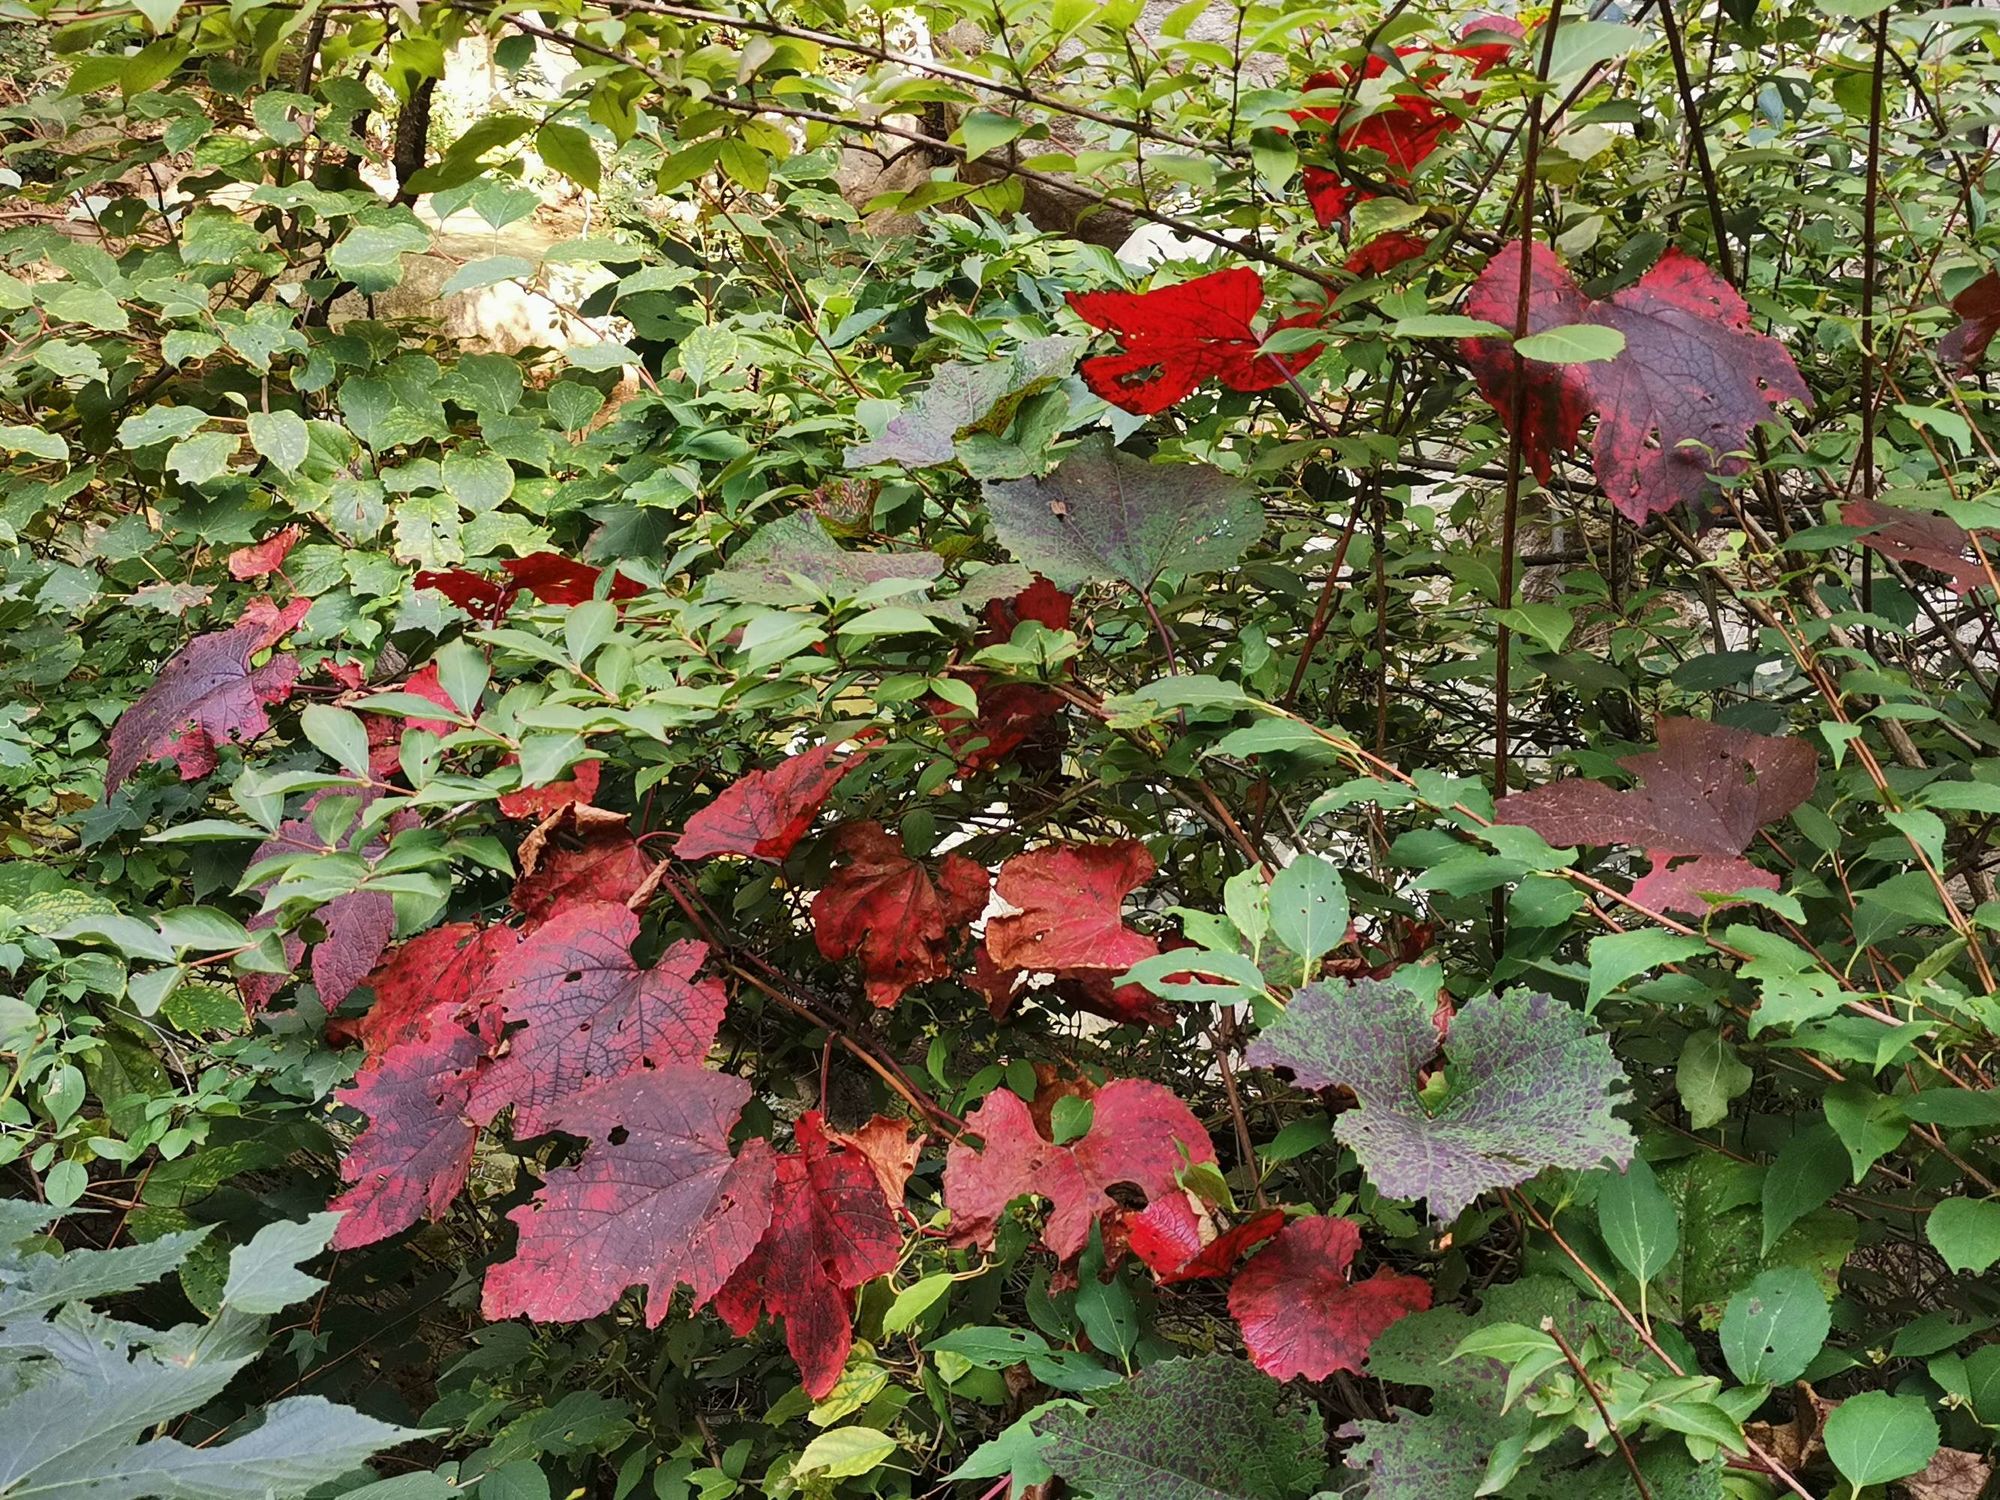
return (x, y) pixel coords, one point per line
(1010, 715)
(1915, 536)
(440, 973)
(1067, 899)
(358, 926)
(555, 579)
(1041, 601)
(1178, 336)
(1705, 791)
(606, 864)
(264, 557)
(206, 694)
(1140, 1135)
(764, 814)
(1300, 1314)
(1168, 1237)
(883, 906)
(1674, 409)
(831, 1230)
(412, 1159)
(1978, 308)
(657, 1200)
(587, 1014)
(1679, 886)
(539, 801)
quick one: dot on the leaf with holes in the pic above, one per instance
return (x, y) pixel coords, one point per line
(764, 814)
(1107, 516)
(1139, 1135)
(587, 1014)
(884, 907)
(831, 1230)
(412, 1159)
(1674, 408)
(1301, 1313)
(440, 973)
(657, 1200)
(1704, 791)
(1528, 1087)
(206, 694)
(1176, 337)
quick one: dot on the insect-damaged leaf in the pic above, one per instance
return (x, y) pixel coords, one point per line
(831, 1229)
(1528, 1087)
(793, 561)
(1189, 1429)
(588, 1014)
(412, 1159)
(764, 814)
(1138, 1134)
(884, 907)
(1178, 336)
(443, 972)
(963, 396)
(1704, 792)
(1692, 381)
(1106, 516)
(656, 1200)
(1067, 899)
(1302, 1315)
(207, 693)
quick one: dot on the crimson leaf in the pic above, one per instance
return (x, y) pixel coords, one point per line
(884, 906)
(764, 814)
(1300, 1313)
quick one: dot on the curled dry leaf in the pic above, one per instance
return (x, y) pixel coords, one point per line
(265, 557)
(604, 863)
(1177, 1239)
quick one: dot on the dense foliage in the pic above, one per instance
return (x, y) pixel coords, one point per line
(1236, 752)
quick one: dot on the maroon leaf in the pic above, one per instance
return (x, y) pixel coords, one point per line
(1168, 1237)
(555, 579)
(587, 1014)
(764, 814)
(539, 801)
(1067, 899)
(443, 972)
(883, 906)
(1673, 408)
(831, 1230)
(1140, 1135)
(412, 1159)
(1914, 536)
(1301, 1315)
(206, 694)
(605, 865)
(474, 593)
(657, 1200)
(264, 557)
(1705, 791)
(1176, 337)
(1978, 308)
(358, 926)
(1680, 887)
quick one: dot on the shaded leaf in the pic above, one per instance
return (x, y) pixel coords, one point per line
(764, 814)
(884, 907)
(1302, 1315)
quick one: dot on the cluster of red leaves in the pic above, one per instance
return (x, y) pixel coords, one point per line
(1402, 133)
(884, 908)
(1178, 336)
(1702, 794)
(1011, 714)
(549, 576)
(1674, 408)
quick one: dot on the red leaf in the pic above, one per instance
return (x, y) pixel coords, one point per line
(1978, 308)
(1010, 715)
(385, 731)
(1137, 1135)
(540, 801)
(412, 1159)
(1068, 898)
(1300, 1314)
(441, 973)
(358, 926)
(1178, 336)
(1385, 252)
(890, 1151)
(1041, 601)
(1692, 381)
(1705, 791)
(656, 1200)
(1679, 887)
(607, 865)
(764, 814)
(207, 693)
(1934, 542)
(831, 1230)
(587, 1014)
(883, 906)
(1168, 1238)
(264, 557)
(555, 579)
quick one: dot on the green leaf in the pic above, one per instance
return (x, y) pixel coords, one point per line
(1773, 1327)
(281, 437)
(1617, 956)
(1869, 1124)
(338, 734)
(845, 1453)
(1966, 1232)
(1811, 1167)
(475, 274)
(570, 151)
(1708, 1077)
(1308, 907)
(1875, 1437)
(264, 1275)
(1572, 344)
(1637, 1220)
